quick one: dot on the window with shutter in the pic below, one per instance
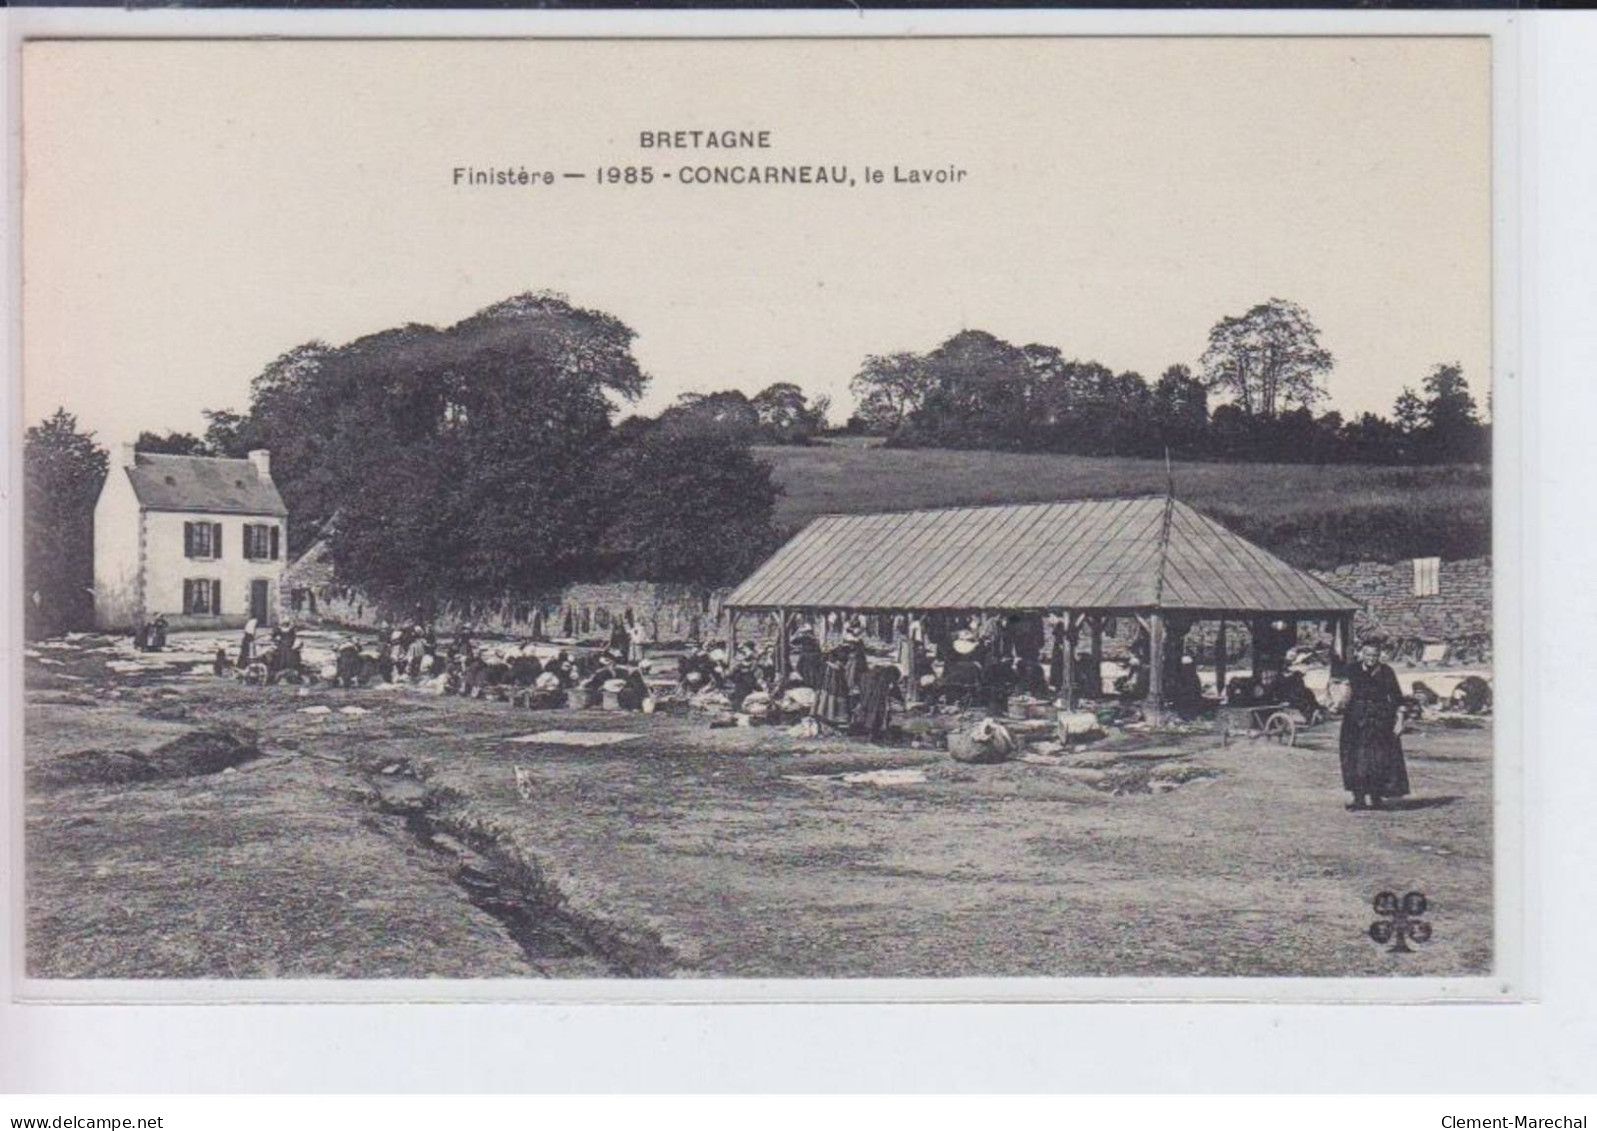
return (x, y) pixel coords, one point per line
(202, 540)
(202, 596)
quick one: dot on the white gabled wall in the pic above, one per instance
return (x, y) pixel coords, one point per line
(116, 553)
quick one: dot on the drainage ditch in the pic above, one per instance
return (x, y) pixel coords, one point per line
(502, 883)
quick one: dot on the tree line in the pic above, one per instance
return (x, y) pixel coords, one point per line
(976, 390)
(486, 459)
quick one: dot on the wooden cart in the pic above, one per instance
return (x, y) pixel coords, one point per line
(1276, 722)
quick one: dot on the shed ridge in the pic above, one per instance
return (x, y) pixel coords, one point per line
(1137, 553)
(1164, 550)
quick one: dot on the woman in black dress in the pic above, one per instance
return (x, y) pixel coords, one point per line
(1372, 751)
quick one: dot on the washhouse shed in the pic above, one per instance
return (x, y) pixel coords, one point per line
(1153, 558)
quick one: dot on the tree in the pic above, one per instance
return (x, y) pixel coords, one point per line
(1292, 437)
(1232, 433)
(465, 461)
(63, 470)
(1268, 359)
(172, 444)
(687, 504)
(229, 434)
(729, 413)
(1372, 439)
(889, 387)
(978, 394)
(479, 461)
(1408, 412)
(294, 407)
(1181, 409)
(786, 416)
(1452, 425)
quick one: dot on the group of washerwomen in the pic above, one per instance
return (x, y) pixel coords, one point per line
(984, 667)
(839, 687)
(150, 635)
(842, 689)
(414, 654)
(272, 659)
(470, 668)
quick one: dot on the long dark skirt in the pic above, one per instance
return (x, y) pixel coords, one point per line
(855, 670)
(811, 666)
(1372, 757)
(833, 704)
(348, 667)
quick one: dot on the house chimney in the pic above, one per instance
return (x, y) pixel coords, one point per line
(130, 457)
(262, 459)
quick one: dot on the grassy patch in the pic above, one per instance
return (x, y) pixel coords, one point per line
(1311, 516)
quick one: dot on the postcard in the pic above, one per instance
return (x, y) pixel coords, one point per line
(833, 516)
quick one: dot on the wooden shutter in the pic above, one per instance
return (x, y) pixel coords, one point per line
(188, 539)
(275, 532)
(188, 596)
(216, 597)
(216, 539)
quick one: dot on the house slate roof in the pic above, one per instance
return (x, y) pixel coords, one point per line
(203, 485)
(1102, 554)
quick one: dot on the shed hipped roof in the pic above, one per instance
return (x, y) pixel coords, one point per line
(1109, 554)
(203, 484)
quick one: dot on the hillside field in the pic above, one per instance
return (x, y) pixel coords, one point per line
(1313, 516)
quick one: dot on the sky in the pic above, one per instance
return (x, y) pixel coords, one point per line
(194, 209)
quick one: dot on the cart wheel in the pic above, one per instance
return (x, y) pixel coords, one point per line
(1280, 727)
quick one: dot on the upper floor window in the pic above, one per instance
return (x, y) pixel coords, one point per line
(202, 540)
(262, 542)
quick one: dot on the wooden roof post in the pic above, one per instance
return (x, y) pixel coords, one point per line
(1096, 626)
(731, 634)
(1072, 634)
(1154, 706)
(911, 662)
(1219, 660)
(782, 665)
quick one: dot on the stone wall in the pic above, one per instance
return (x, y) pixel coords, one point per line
(656, 612)
(1460, 610)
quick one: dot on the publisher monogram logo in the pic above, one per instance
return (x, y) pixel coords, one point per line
(1400, 922)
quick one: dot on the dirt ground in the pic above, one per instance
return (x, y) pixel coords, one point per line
(415, 837)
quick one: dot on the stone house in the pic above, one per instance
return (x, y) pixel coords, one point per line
(202, 541)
